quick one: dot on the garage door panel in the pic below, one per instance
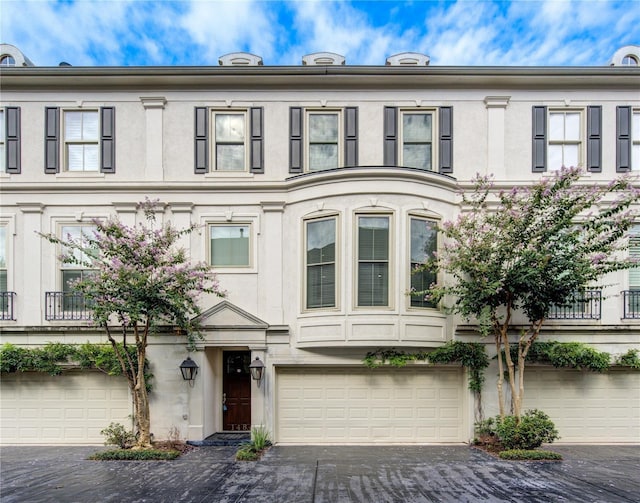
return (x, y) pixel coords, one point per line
(385, 406)
(66, 409)
(585, 406)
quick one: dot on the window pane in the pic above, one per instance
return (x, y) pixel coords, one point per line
(323, 128)
(69, 278)
(571, 153)
(82, 157)
(323, 157)
(373, 238)
(321, 241)
(572, 126)
(3, 159)
(230, 128)
(554, 156)
(635, 156)
(416, 127)
(229, 245)
(3, 285)
(634, 252)
(417, 156)
(73, 126)
(78, 234)
(556, 126)
(91, 157)
(321, 286)
(230, 157)
(2, 131)
(635, 126)
(373, 281)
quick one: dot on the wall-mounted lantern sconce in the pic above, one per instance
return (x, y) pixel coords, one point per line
(189, 370)
(257, 369)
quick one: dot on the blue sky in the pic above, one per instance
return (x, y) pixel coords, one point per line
(197, 32)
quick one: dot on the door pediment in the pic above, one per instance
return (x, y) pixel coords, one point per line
(226, 315)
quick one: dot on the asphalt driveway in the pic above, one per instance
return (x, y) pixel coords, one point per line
(314, 474)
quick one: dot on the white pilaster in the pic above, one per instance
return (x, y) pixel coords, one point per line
(154, 147)
(496, 106)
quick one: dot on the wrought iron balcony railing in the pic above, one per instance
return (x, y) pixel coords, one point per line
(66, 306)
(7, 306)
(631, 304)
(585, 305)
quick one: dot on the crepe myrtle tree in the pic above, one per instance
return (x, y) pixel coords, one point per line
(528, 249)
(141, 279)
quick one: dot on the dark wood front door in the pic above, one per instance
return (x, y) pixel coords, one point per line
(236, 388)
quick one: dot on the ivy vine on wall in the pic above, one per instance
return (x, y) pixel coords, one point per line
(54, 358)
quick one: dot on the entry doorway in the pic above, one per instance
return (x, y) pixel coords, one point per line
(236, 391)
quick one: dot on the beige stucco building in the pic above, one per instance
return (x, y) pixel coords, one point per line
(317, 188)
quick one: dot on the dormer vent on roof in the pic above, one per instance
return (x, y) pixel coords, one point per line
(10, 55)
(240, 59)
(408, 59)
(323, 58)
(628, 55)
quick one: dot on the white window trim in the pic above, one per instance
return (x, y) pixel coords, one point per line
(307, 137)
(252, 220)
(434, 134)
(213, 169)
(392, 275)
(437, 222)
(3, 143)
(65, 157)
(8, 222)
(581, 142)
(337, 262)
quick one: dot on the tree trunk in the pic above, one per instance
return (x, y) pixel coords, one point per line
(498, 336)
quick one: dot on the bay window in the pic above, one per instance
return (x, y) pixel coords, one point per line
(373, 260)
(320, 263)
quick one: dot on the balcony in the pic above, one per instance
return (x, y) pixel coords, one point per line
(66, 306)
(7, 302)
(585, 305)
(631, 304)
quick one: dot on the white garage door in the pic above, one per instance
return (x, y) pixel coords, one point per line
(347, 405)
(72, 408)
(586, 406)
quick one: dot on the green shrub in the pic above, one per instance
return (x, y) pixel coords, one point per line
(630, 359)
(528, 455)
(116, 434)
(534, 429)
(485, 427)
(247, 453)
(134, 455)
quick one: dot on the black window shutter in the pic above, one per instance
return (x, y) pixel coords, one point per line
(295, 140)
(201, 153)
(351, 136)
(12, 128)
(108, 139)
(257, 139)
(51, 140)
(623, 139)
(539, 139)
(390, 150)
(446, 140)
(594, 139)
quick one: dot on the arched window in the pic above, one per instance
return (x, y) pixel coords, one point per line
(7, 60)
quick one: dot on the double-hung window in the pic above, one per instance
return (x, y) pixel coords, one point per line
(564, 145)
(373, 260)
(320, 263)
(424, 243)
(566, 138)
(81, 140)
(230, 245)
(3, 143)
(86, 138)
(632, 301)
(228, 140)
(72, 301)
(322, 139)
(419, 138)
